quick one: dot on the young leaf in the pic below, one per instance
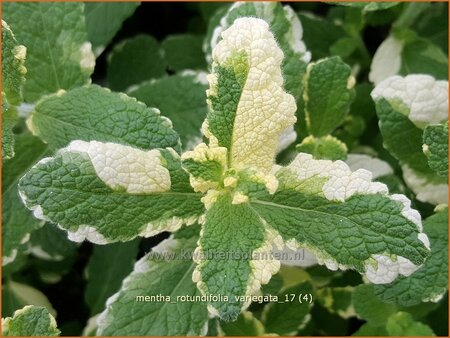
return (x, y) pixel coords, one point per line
(13, 66)
(107, 267)
(430, 282)
(328, 94)
(30, 321)
(239, 89)
(326, 147)
(381, 171)
(288, 315)
(108, 192)
(245, 325)
(288, 32)
(184, 51)
(181, 98)
(58, 53)
(435, 147)
(150, 301)
(13, 71)
(95, 113)
(231, 257)
(17, 295)
(402, 324)
(135, 60)
(341, 213)
(104, 20)
(17, 221)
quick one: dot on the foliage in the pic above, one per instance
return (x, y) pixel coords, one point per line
(258, 169)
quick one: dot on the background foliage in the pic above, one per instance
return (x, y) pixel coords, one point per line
(142, 49)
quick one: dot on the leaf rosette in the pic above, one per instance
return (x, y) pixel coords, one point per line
(117, 188)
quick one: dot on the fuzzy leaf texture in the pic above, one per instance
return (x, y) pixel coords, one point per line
(107, 192)
(13, 77)
(288, 32)
(435, 147)
(17, 221)
(30, 321)
(328, 93)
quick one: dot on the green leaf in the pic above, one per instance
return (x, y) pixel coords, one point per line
(381, 170)
(184, 51)
(346, 220)
(13, 66)
(17, 295)
(403, 324)
(328, 95)
(147, 193)
(51, 243)
(325, 147)
(30, 321)
(17, 221)
(58, 53)
(288, 315)
(231, 235)
(250, 138)
(96, 113)
(9, 119)
(245, 325)
(151, 301)
(107, 267)
(181, 98)
(104, 20)
(369, 307)
(430, 282)
(135, 60)
(13, 78)
(435, 147)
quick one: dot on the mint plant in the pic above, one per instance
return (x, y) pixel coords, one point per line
(258, 154)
